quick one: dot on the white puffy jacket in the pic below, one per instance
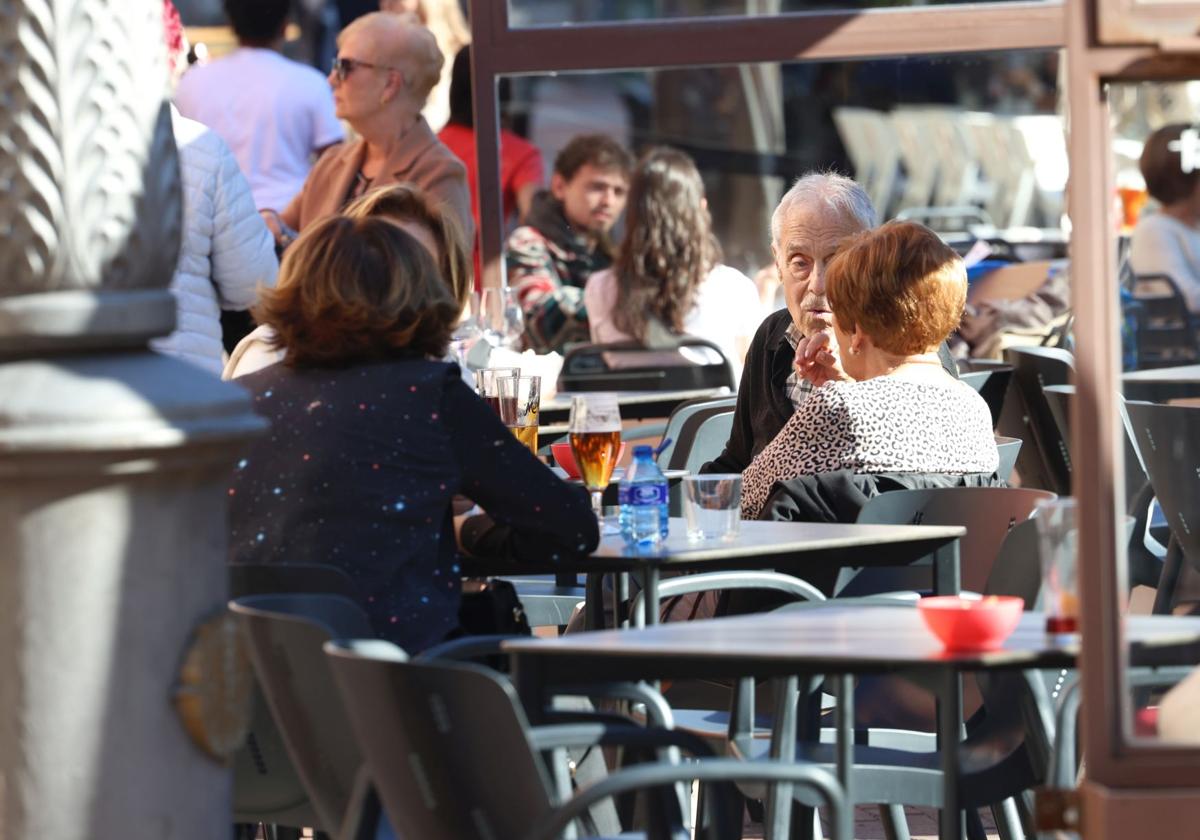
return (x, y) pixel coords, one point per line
(226, 251)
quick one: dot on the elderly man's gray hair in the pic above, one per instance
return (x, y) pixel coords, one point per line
(844, 196)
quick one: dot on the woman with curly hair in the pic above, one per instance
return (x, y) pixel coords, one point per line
(668, 279)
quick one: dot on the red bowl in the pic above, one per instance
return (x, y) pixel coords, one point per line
(971, 624)
(565, 458)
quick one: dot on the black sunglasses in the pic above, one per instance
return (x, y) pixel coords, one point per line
(343, 67)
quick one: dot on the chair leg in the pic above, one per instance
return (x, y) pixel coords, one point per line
(805, 825)
(1024, 803)
(1008, 820)
(895, 824)
(975, 825)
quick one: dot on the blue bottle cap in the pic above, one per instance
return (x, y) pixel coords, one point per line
(643, 450)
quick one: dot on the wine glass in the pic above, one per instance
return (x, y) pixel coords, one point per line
(467, 332)
(595, 435)
(500, 316)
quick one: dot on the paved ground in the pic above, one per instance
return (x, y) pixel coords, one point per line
(922, 823)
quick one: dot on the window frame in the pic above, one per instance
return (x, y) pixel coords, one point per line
(1114, 759)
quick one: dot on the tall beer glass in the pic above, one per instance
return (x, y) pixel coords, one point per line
(520, 400)
(595, 433)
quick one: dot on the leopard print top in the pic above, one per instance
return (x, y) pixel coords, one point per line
(880, 425)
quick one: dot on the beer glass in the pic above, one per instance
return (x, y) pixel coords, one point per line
(520, 399)
(487, 384)
(595, 434)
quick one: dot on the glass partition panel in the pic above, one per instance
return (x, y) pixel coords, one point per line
(998, 161)
(1156, 198)
(524, 13)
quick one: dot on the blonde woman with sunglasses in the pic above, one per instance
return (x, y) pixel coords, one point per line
(384, 70)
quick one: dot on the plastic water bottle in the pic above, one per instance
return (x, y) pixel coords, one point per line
(643, 498)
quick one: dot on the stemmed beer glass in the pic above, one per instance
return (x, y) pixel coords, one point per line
(595, 434)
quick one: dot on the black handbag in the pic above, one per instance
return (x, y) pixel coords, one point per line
(494, 610)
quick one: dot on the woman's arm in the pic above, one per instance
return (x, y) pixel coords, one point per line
(600, 299)
(532, 514)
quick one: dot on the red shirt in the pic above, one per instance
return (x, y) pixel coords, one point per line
(520, 164)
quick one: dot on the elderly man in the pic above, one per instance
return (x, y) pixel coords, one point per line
(793, 350)
(383, 73)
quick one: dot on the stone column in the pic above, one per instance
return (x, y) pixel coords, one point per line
(113, 460)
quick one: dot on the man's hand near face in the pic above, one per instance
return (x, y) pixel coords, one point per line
(817, 359)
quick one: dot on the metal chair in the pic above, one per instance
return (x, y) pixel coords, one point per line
(679, 418)
(285, 634)
(1045, 460)
(266, 786)
(988, 514)
(453, 756)
(1144, 552)
(1169, 439)
(1009, 449)
(992, 385)
(687, 363)
(1166, 335)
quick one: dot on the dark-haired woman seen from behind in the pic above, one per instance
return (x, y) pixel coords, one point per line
(371, 438)
(668, 278)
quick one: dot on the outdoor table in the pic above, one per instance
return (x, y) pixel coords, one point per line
(794, 548)
(634, 405)
(1162, 384)
(829, 639)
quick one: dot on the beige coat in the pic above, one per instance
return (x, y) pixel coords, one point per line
(420, 159)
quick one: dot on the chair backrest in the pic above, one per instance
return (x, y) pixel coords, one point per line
(1045, 460)
(700, 438)
(1165, 335)
(284, 578)
(988, 514)
(1060, 398)
(1008, 449)
(1169, 439)
(266, 785)
(445, 745)
(680, 416)
(992, 385)
(688, 363)
(1018, 570)
(285, 635)
(710, 439)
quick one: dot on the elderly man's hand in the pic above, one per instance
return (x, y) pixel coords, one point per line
(817, 359)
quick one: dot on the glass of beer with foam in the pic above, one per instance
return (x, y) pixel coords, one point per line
(595, 434)
(519, 403)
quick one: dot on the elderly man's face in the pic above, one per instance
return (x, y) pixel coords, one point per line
(808, 238)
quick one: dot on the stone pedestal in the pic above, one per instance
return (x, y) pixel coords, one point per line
(113, 480)
(114, 461)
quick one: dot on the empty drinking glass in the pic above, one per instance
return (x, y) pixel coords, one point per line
(712, 505)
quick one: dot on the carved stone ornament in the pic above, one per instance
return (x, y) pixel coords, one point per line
(90, 202)
(214, 693)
